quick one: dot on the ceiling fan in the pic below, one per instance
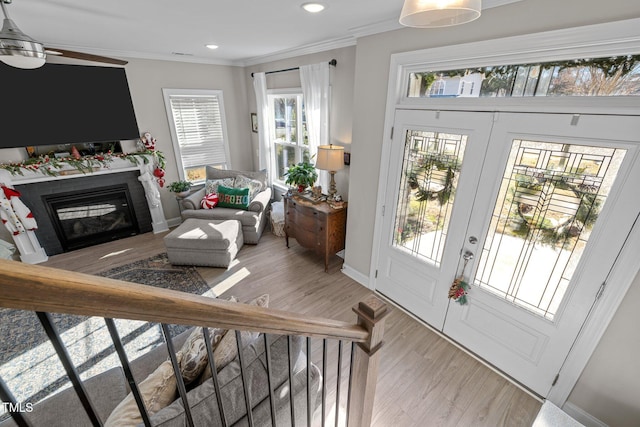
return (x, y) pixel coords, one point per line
(19, 50)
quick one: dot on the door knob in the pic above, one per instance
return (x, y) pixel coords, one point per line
(468, 255)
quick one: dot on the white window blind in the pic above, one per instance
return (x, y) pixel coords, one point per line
(198, 128)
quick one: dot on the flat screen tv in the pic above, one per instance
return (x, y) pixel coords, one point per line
(65, 104)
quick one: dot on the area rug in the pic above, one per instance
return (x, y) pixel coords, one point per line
(26, 355)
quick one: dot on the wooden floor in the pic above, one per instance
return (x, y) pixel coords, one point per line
(424, 380)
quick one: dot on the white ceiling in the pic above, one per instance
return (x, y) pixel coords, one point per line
(247, 31)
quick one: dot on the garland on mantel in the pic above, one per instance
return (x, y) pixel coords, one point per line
(54, 166)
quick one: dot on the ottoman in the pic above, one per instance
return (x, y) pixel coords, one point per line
(210, 243)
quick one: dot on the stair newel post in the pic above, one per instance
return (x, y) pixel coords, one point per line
(364, 372)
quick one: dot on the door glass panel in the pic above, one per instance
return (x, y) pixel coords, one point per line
(550, 197)
(430, 169)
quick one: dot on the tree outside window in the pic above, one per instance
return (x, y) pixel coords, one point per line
(289, 136)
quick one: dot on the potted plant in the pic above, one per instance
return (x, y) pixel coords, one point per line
(181, 188)
(303, 175)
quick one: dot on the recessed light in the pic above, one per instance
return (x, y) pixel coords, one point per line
(313, 7)
(212, 46)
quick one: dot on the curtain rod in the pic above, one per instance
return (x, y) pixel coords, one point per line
(332, 62)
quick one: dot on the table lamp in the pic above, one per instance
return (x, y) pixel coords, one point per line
(330, 158)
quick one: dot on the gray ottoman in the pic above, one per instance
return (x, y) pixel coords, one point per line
(210, 243)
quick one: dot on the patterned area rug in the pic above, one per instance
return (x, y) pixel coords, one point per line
(26, 356)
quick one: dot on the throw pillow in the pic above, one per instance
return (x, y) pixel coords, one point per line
(194, 351)
(236, 198)
(158, 390)
(227, 349)
(253, 184)
(211, 186)
(209, 201)
(214, 173)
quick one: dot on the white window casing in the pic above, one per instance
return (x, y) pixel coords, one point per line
(198, 128)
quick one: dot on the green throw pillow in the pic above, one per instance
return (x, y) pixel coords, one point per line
(237, 198)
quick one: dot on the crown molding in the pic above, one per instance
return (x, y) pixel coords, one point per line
(299, 51)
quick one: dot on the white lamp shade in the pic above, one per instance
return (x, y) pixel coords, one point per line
(439, 13)
(330, 158)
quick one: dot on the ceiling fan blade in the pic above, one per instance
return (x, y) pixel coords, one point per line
(85, 56)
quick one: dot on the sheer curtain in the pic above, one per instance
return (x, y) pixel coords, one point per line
(264, 146)
(315, 89)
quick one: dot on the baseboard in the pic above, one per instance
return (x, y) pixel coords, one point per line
(174, 222)
(581, 416)
(355, 275)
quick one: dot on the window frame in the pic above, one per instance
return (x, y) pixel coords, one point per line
(204, 93)
(273, 142)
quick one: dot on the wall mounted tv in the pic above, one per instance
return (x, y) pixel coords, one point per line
(65, 104)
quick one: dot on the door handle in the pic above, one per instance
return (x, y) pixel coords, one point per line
(468, 255)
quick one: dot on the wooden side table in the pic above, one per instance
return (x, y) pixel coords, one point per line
(318, 227)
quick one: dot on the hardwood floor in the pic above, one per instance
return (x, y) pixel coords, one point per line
(424, 380)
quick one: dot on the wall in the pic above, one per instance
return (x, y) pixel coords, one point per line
(147, 78)
(342, 84)
(608, 388)
(371, 83)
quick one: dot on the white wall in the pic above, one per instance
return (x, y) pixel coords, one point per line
(147, 78)
(609, 388)
(342, 83)
(618, 400)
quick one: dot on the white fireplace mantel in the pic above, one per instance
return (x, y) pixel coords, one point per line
(31, 251)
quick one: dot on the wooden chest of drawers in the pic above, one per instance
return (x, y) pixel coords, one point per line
(315, 226)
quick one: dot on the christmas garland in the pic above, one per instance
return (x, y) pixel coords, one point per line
(53, 166)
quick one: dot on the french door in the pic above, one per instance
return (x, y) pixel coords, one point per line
(529, 209)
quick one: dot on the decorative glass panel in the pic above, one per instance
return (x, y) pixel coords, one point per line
(430, 170)
(550, 198)
(610, 76)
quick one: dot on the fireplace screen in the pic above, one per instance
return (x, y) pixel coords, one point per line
(87, 218)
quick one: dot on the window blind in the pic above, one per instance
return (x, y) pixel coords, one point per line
(198, 125)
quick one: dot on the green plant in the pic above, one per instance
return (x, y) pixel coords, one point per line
(179, 186)
(303, 174)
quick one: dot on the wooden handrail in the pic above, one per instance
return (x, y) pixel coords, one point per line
(38, 288)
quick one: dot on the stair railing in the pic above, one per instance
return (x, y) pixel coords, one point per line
(47, 290)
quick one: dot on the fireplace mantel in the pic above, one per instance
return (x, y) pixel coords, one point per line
(27, 243)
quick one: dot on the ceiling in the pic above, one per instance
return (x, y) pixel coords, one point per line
(247, 31)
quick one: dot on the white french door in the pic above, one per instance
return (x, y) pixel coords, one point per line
(540, 204)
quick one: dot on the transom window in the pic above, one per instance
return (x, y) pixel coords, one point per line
(289, 137)
(608, 76)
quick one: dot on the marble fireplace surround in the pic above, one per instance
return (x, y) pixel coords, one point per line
(32, 252)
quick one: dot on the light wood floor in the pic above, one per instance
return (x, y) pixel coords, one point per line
(423, 381)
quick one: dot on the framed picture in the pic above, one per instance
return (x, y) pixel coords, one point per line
(254, 122)
(347, 158)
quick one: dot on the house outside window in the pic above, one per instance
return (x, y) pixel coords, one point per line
(198, 131)
(288, 127)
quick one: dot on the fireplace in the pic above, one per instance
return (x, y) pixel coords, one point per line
(94, 189)
(85, 218)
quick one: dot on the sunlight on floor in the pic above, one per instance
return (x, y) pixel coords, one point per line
(231, 281)
(116, 253)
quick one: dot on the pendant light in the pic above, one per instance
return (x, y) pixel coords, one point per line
(16, 48)
(439, 13)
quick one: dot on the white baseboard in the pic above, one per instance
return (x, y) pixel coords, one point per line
(581, 416)
(355, 275)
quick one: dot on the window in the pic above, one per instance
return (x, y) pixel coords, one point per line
(289, 137)
(604, 76)
(198, 131)
(437, 88)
